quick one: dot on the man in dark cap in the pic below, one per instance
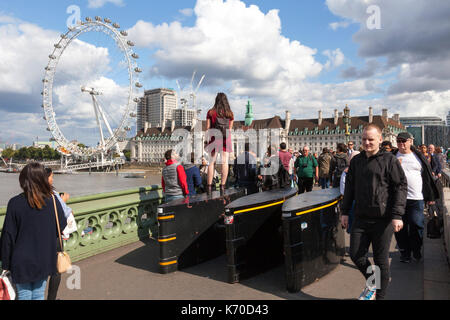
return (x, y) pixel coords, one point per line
(421, 189)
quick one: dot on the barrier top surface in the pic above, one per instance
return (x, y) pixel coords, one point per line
(311, 199)
(201, 197)
(262, 197)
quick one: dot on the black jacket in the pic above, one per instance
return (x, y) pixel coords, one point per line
(429, 189)
(378, 185)
(28, 240)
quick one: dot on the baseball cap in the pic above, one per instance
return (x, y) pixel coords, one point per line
(405, 135)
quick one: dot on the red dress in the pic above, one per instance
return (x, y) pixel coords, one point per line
(212, 145)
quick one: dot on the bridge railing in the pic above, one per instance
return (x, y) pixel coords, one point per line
(445, 180)
(115, 219)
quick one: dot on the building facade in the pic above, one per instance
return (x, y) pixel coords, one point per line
(428, 130)
(151, 143)
(157, 107)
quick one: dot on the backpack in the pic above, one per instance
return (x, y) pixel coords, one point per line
(284, 178)
(324, 165)
(222, 124)
(341, 164)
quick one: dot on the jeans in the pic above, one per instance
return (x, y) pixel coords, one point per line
(171, 198)
(32, 290)
(379, 234)
(410, 238)
(324, 183)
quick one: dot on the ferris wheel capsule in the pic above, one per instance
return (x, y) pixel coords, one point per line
(127, 128)
(116, 25)
(137, 100)
(88, 19)
(107, 20)
(124, 33)
(138, 85)
(138, 70)
(97, 18)
(130, 43)
(135, 56)
(52, 56)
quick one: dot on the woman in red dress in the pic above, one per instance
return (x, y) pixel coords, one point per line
(221, 118)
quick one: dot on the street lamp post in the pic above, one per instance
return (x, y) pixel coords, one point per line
(347, 123)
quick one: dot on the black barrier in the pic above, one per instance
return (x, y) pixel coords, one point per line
(314, 242)
(254, 239)
(192, 231)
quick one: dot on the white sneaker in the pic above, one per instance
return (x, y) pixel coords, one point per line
(368, 294)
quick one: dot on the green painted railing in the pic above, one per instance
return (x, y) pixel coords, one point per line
(116, 218)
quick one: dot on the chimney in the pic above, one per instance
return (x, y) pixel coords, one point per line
(370, 115)
(336, 117)
(384, 113)
(288, 120)
(320, 117)
(396, 117)
(172, 127)
(145, 126)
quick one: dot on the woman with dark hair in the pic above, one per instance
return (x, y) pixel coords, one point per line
(28, 240)
(221, 118)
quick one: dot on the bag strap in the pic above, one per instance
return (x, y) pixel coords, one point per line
(57, 221)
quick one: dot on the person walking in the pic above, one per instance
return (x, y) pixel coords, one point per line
(28, 239)
(339, 163)
(324, 162)
(421, 188)
(378, 185)
(306, 168)
(221, 118)
(441, 158)
(350, 149)
(434, 161)
(173, 180)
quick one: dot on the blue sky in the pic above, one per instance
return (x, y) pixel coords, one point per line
(304, 66)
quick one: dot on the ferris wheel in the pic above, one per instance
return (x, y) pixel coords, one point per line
(112, 122)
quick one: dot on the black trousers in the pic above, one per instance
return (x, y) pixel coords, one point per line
(379, 234)
(305, 184)
(55, 280)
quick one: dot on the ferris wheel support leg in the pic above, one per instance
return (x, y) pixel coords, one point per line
(102, 113)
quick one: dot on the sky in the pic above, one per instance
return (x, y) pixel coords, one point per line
(302, 56)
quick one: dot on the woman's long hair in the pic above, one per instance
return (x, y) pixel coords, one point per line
(222, 106)
(34, 183)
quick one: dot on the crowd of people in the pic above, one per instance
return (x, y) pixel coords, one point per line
(385, 191)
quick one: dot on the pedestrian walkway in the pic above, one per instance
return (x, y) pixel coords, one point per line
(131, 273)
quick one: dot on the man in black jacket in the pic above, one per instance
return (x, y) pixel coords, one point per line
(377, 183)
(421, 189)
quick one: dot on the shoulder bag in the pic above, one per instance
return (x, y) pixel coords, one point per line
(63, 262)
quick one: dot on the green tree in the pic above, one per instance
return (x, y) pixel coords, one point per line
(8, 153)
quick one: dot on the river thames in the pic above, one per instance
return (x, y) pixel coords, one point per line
(80, 184)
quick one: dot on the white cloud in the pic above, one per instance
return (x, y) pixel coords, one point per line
(335, 58)
(95, 4)
(187, 12)
(340, 24)
(24, 50)
(229, 42)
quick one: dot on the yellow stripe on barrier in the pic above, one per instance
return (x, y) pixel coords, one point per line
(167, 240)
(257, 208)
(166, 217)
(317, 209)
(168, 263)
